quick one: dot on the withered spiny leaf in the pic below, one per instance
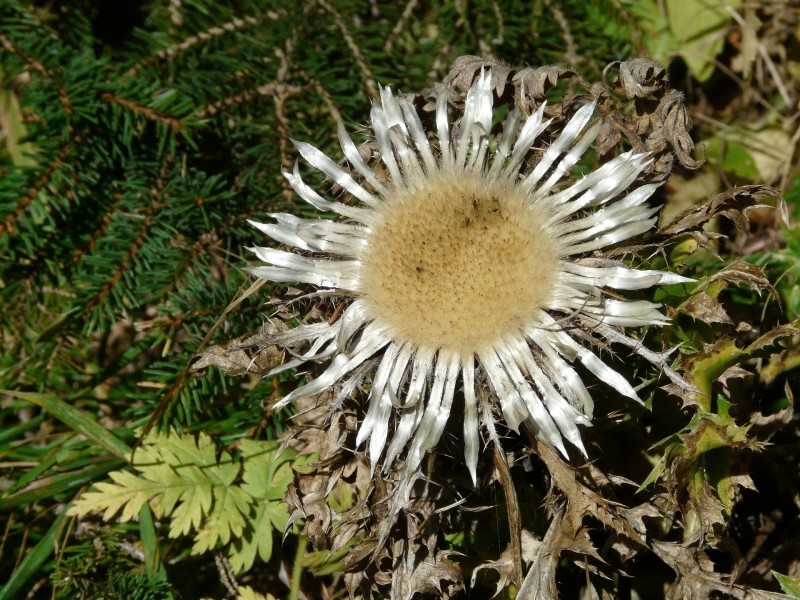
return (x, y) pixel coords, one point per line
(704, 308)
(608, 138)
(257, 354)
(641, 78)
(734, 204)
(466, 68)
(236, 361)
(695, 577)
(740, 272)
(675, 127)
(531, 84)
(307, 496)
(506, 566)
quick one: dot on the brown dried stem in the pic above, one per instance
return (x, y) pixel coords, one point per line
(512, 507)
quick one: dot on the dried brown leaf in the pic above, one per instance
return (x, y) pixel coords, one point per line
(608, 138)
(771, 338)
(506, 565)
(503, 475)
(531, 85)
(705, 512)
(437, 575)
(567, 531)
(659, 122)
(733, 373)
(734, 204)
(659, 509)
(540, 581)
(235, 360)
(307, 500)
(744, 273)
(703, 307)
(675, 127)
(398, 555)
(696, 579)
(465, 68)
(308, 496)
(642, 78)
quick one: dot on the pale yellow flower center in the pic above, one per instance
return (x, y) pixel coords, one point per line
(458, 264)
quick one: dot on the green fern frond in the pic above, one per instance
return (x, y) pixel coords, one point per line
(247, 593)
(203, 492)
(266, 477)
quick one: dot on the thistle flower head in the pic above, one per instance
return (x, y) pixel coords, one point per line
(466, 261)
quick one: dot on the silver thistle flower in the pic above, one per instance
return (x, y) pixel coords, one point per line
(462, 266)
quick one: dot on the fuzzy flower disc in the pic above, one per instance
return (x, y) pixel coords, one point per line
(479, 268)
(468, 262)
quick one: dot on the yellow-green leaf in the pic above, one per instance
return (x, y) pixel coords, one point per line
(227, 519)
(699, 28)
(247, 593)
(257, 540)
(266, 473)
(789, 585)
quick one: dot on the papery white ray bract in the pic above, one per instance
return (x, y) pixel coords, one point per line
(460, 266)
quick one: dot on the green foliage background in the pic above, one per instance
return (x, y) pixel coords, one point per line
(138, 138)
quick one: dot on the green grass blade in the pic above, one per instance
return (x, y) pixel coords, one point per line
(149, 537)
(50, 486)
(76, 419)
(12, 433)
(29, 567)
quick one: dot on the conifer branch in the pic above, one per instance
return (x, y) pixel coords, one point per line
(40, 68)
(369, 78)
(38, 186)
(140, 239)
(170, 52)
(326, 97)
(269, 90)
(171, 122)
(400, 25)
(32, 62)
(177, 320)
(570, 52)
(283, 132)
(105, 220)
(206, 242)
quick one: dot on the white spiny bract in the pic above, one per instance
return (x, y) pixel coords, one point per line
(463, 267)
